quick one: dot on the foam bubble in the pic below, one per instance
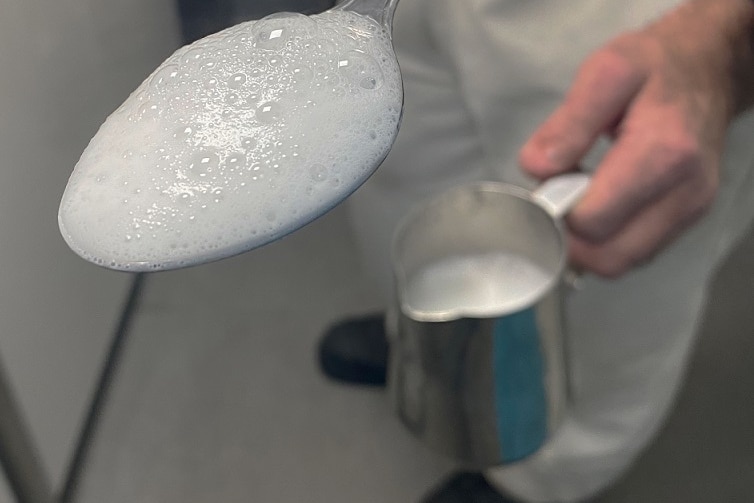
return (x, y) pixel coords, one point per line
(274, 31)
(361, 69)
(237, 80)
(234, 141)
(166, 76)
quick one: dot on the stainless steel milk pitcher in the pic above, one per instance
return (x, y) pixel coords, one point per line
(477, 364)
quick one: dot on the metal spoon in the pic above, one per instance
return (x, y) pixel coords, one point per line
(173, 177)
(381, 11)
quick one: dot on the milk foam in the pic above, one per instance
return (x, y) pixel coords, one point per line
(234, 141)
(489, 284)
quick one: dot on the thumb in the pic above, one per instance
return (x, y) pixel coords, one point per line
(597, 100)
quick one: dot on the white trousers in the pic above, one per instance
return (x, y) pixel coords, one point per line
(479, 76)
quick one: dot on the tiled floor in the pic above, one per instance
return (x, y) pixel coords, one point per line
(218, 398)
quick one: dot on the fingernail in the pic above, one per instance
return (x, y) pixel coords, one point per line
(537, 159)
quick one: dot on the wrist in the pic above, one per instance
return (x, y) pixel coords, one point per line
(735, 21)
(745, 55)
(713, 42)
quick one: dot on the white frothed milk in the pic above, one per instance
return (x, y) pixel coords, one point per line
(477, 285)
(234, 141)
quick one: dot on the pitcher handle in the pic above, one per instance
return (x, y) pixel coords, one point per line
(560, 193)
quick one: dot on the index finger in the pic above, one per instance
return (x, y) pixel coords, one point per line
(600, 94)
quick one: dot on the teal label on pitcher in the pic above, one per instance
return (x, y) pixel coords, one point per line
(520, 395)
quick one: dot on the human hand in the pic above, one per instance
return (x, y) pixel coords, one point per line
(665, 96)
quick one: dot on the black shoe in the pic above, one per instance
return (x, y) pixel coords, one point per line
(465, 487)
(355, 351)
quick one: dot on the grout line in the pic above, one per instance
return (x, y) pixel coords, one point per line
(101, 393)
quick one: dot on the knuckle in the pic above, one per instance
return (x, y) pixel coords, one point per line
(590, 228)
(610, 268)
(611, 62)
(613, 263)
(678, 157)
(599, 230)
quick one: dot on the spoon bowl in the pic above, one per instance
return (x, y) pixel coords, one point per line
(237, 140)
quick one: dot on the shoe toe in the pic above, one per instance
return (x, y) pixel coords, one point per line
(355, 351)
(465, 487)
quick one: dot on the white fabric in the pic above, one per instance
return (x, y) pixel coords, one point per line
(479, 76)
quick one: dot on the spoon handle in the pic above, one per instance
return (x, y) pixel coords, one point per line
(381, 11)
